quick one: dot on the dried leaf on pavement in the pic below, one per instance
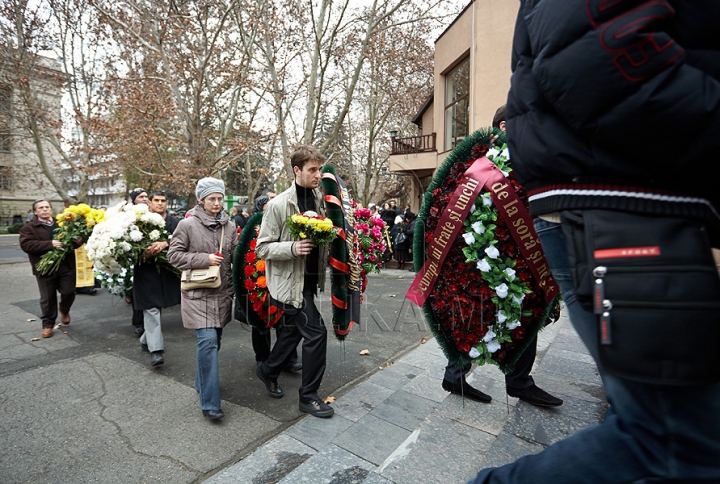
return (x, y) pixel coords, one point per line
(57, 327)
(35, 339)
(365, 352)
(423, 341)
(31, 319)
(330, 399)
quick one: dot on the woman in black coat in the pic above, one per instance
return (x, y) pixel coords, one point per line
(409, 230)
(388, 215)
(400, 248)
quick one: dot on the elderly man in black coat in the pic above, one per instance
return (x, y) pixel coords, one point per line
(155, 289)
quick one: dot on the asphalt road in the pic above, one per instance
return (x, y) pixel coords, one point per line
(101, 336)
(101, 323)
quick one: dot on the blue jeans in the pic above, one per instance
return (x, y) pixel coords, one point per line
(650, 433)
(207, 378)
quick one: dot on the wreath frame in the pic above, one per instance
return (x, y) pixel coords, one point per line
(345, 274)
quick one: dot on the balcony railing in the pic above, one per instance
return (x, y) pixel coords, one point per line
(413, 144)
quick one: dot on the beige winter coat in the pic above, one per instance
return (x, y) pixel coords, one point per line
(285, 272)
(194, 239)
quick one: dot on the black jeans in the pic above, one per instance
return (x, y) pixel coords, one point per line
(306, 324)
(138, 320)
(262, 344)
(518, 378)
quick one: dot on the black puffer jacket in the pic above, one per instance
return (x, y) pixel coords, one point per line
(616, 105)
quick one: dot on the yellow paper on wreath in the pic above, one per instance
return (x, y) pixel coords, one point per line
(84, 275)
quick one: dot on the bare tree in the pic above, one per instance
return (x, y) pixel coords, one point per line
(63, 29)
(170, 92)
(183, 85)
(318, 61)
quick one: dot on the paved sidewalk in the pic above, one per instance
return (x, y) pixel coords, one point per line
(399, 426)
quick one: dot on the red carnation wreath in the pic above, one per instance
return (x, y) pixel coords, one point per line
(486, 302)
(256, 286)
(252, 304)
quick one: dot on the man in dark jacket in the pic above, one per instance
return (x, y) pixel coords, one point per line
(36, 239)
(409, 231)
(598, 94)
(153, 289)
(138, 196)
(519, 383)
(239, 217)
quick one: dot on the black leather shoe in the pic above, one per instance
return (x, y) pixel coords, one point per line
(213, 414)
(294, 366)
(534, 396)
(139, 330)
(467, 391)
(144, 347)
(156, 358)
(272, 386)
(317, 408)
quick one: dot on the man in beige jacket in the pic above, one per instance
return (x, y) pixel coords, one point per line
(294, 271)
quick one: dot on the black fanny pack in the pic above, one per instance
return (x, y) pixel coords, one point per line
(654, 287)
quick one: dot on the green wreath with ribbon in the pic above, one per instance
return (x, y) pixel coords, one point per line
(251, 300)
(345, 277)
(478, 311)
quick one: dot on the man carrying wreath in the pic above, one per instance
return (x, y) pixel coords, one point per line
(518, 383)
(294, 271)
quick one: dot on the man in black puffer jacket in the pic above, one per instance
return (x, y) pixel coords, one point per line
(614, 108)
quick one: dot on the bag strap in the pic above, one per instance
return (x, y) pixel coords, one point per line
(222, 236)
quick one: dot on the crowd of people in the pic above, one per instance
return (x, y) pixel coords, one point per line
(207, 236)
(592, 153)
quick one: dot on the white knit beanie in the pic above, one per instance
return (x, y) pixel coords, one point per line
(208, 185)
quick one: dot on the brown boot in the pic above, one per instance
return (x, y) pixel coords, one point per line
(47, 333)
(64, 318)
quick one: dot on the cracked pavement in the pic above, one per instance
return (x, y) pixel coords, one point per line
(85, 405)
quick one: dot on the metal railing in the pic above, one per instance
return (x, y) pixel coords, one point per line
(413, 144)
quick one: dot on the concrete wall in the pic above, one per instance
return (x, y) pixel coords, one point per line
(483, 31)
(428, 121)
(494, 27)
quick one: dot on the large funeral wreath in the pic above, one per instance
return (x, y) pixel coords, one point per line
(486, 305)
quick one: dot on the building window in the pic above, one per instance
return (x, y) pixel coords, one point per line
(457, 97)
(5, 178)
(5, 106)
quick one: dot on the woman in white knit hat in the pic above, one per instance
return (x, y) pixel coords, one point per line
(208, 238)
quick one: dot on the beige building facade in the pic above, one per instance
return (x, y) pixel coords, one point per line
(472, 79)
(21, 180)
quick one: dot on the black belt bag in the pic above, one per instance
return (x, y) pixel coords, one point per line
(654, 287)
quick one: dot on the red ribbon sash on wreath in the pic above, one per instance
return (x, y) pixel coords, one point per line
(482, 174)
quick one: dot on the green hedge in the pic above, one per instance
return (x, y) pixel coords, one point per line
(14, 228)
